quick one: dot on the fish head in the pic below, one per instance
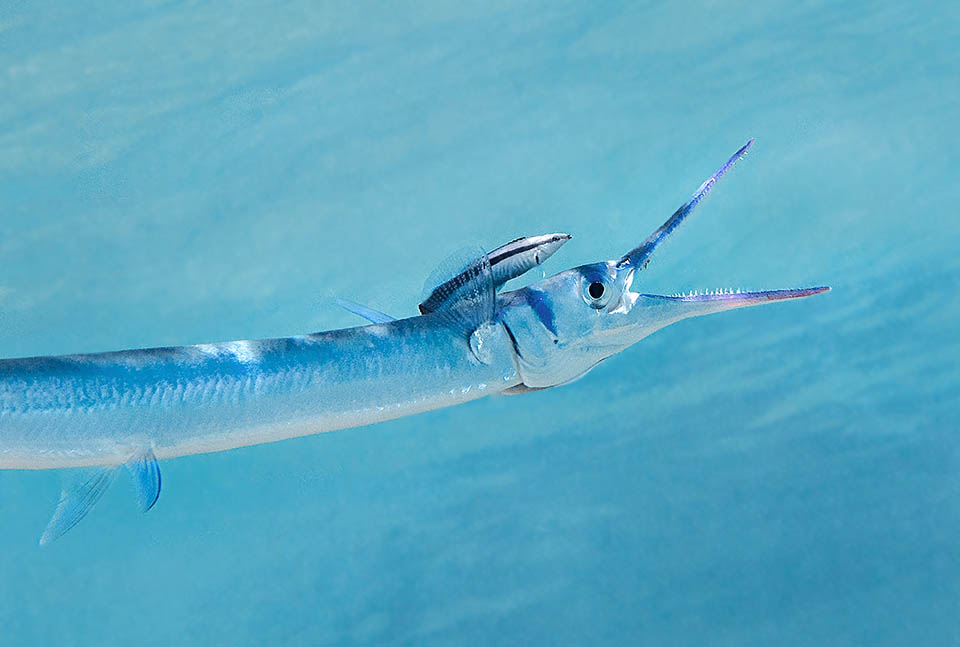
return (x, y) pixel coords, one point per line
(565, 324)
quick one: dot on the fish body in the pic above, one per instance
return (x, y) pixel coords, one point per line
(98, 409)
(137, 407)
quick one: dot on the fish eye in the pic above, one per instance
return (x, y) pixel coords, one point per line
(596, 292)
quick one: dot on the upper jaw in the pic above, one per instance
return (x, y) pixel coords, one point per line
(638, 257)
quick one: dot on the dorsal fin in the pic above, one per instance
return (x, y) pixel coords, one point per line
(371, 315)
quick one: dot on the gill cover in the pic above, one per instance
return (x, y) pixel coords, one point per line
(561, 327)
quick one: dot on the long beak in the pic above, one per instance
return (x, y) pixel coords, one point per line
(656, 311)
(639, 256)
(682, 306)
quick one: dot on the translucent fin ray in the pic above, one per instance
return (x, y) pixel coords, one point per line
(374, 316)
(145, 470)
(76, 501)
(462, 289)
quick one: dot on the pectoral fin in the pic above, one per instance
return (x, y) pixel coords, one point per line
(520, 389)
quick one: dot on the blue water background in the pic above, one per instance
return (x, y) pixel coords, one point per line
(174, 173)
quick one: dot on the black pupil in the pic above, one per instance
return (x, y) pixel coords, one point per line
(595, 290)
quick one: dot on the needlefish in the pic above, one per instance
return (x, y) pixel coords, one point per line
(130, 409)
